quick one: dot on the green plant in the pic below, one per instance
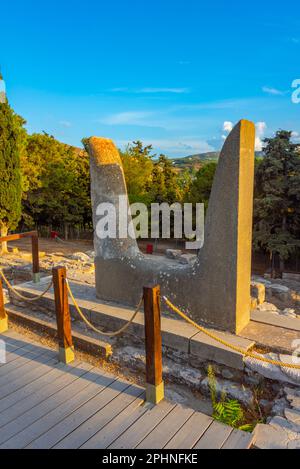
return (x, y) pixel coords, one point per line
(227, 411)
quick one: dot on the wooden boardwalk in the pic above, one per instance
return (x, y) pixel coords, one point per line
(46, 404)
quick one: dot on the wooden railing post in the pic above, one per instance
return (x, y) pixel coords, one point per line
(3, 315)
(63, 318)
(153, 343)
(35, 258)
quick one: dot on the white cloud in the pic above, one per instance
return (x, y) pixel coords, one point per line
(176, 147)
(126, 118)
(273, 91)
(261, 128)
(227, 126)
(118, 90)
(163, 90)
(260, 132)
(148, 90)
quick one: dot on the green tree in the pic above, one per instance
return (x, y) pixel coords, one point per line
(201, 185)
(138, 166)
(11, 126)
(277, 197)
(58, 179)
(166, 184)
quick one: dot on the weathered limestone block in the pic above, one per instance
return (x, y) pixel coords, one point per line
(215, 289)
(274, 372)
(254, 303)
(187, 259)
(258, 291)
(280, 291)
(173, 253)
(268, 307)
(268, 437)
(80, 256)
(293, 416)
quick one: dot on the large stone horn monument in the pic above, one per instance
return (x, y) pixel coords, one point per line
(215, 290)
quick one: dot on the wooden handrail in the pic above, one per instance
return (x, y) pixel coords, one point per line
(153, 345)
(34, 247)
(14, 237)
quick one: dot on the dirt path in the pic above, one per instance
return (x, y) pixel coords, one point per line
(50, 246)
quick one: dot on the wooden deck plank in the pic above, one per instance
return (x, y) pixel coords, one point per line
(166, 429)
(108, 434)
(13, 346)
(13, 354)
(188, 435)
(22, 365)
(13, 335)
(45, 404)
(49, 438)
(140, 429)
(39, 390)
(86, 430)
(238, 440)
(41, 418)
(21, 394)
(214, 437)
(14, 338)
(38, 369)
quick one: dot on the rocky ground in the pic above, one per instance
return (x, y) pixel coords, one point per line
(278, 403)
(282, 296)
(282, 429)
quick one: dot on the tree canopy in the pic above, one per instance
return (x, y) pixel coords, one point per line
(56, 183)
(277, 197)
(11, 130)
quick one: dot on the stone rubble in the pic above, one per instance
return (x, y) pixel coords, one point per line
(283, 429)
(283, 294)
(273, 372)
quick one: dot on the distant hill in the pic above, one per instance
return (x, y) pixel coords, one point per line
(196, 161)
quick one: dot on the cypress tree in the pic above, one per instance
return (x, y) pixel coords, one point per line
(277, 199)
(10, 174)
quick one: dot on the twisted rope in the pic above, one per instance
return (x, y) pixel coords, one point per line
(245, 353)
(99, 331)
(22, 297)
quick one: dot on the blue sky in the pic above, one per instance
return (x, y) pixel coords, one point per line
(176, 74)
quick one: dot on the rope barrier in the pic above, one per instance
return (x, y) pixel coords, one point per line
(22, 297)
(227, 344)
(99, 331)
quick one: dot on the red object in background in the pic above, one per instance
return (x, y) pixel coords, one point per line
(149, 249)
(53, 234)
